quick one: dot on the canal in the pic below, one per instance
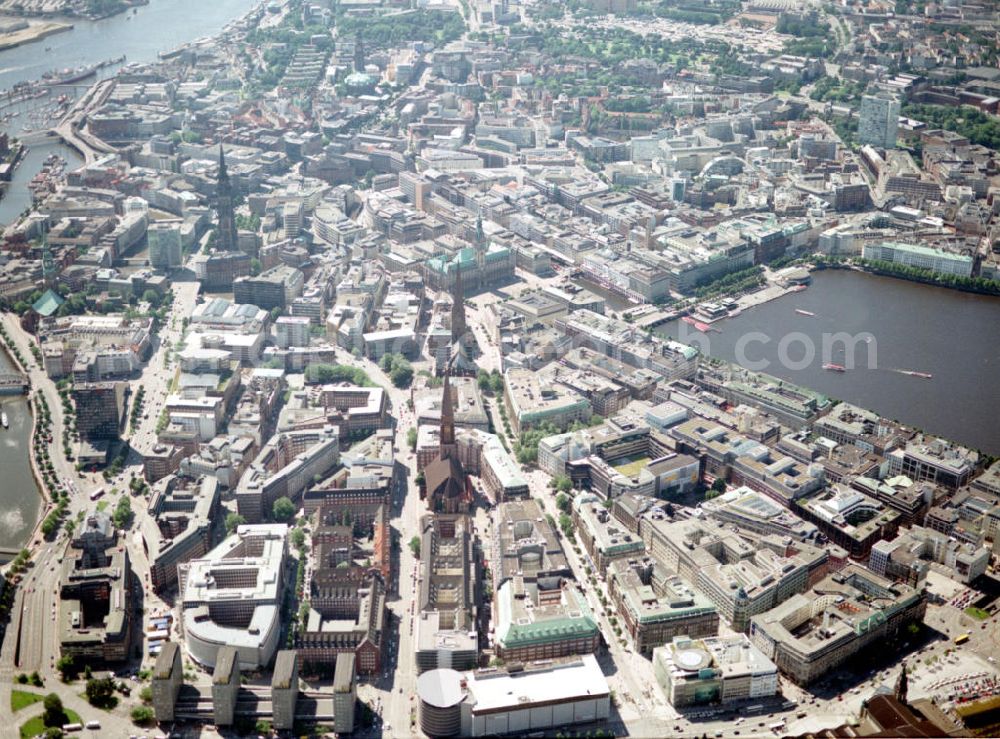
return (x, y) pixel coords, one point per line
(20, 501)
(952, 335)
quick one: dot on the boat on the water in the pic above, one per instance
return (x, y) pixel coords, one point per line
(914, 373)
(700, 325)
(804, 312)
(834, 367)
(4, 421)
(69, 76)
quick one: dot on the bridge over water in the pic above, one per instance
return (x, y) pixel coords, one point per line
(12, 383)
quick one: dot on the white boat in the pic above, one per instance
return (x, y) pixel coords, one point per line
(4, 421)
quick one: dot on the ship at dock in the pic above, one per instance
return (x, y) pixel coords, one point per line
(69, 76)
(700, 325)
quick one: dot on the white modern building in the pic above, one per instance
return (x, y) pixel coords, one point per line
(491, 702)
(718, 669)
(879, 120)
(165, 246)
(922, 257)
(232, 597)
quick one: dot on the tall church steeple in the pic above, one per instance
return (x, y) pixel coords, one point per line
(447, 419)
(902, 685)
(227, 240)
(458, 324)
(480, 233)
(359, 54)
(48, 263)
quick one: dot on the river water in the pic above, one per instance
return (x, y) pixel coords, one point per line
(19, 498)
(160, 26)
(952, 335)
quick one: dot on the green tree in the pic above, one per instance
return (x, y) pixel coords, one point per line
(54, 714)
(67, 667)
(141, 715)
(234, 521)
(298, 538)
(415, 546)
(719, 485)
(283, 509)
(123, 512)
(319, 374)
(100, 691)
(483, 380)
(563, 502)
(411, 438)
(563, 483)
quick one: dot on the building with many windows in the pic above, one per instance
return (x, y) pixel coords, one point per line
(742, 577)
(719, 669)
(100, 409)
(232, 597)
(879, 120)
(273, 288)
(165, 248)
(909, 556)
(921, 257)
(286, 465)
(812, 633)
(656, 605)
(533, 401)
(447, 604)
(604, 538)
(179, 527)
(934, 460)
(542, 619)
(95, 603)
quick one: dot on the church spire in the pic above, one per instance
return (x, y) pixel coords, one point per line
(227, 238)
(902, 686)
(447, 418)
(48, 263)
(359, 54)
(458, 325)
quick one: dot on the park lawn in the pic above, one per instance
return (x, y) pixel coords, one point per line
(977, 613)
(35, 726)
(22, 699)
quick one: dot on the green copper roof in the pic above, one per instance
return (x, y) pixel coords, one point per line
(575, 622)
(48, 304)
